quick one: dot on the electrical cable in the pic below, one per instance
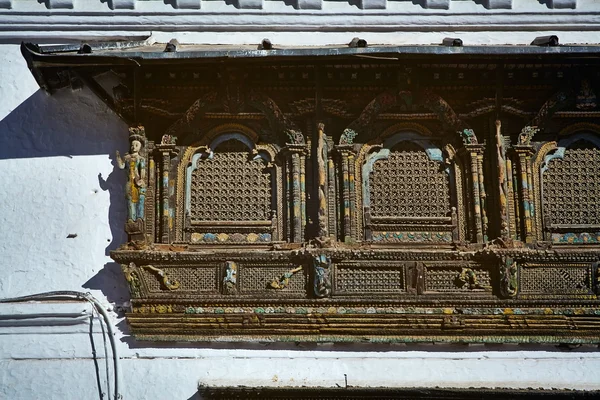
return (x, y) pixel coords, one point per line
(70, 294)
(105, 350)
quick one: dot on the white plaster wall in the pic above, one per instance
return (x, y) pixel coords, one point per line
(52, 151)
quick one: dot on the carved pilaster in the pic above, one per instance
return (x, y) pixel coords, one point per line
(352, 188)
(296, 201)
(331, 198)
(475, 155)
(523, 154)
(302, 195)
(532, 209)
(348, 196)
(296, 178)
(483, 197)
(165, 151)
(511, 209)
(151, 205)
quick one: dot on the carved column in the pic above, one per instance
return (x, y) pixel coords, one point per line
(532, 209)
(296, 176)
(352, 187)
(331, 197)
(511, 209)
(288, 194)
(151, 204)
(524, 153)
(296, 197)
(302, 195)
(475, 154)
(347, 157)
(483, 197)
(166, 217)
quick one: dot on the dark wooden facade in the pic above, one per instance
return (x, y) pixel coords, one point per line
(382, 196)
(351, 393)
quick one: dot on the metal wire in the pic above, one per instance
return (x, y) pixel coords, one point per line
(70, 294)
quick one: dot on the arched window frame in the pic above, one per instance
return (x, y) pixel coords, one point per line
(549, 152)
(202, 151)
(445, 155)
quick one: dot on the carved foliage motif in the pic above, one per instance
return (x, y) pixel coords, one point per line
(572, 188)
(409, 184)
(527, 134)
(231, 187)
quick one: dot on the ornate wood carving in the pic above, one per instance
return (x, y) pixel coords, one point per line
(457, 225)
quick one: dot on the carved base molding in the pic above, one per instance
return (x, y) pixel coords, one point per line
(430, 325)
(490, 295)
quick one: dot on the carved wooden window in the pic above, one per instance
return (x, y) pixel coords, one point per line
(230, 193)
(262, 234)
(570, 191)
(407, 192)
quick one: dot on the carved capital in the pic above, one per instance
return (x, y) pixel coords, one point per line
(348, 136)
(468, 136)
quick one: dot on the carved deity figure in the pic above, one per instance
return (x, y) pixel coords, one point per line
(230, 279)
(322, 282)
(135, 189)
(501, 154)
(508, 277)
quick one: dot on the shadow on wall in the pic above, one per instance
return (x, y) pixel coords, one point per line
(72, 125)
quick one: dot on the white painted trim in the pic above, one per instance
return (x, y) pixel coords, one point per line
(36, 309)
(17, 18)
(298, 38)
(44, 318)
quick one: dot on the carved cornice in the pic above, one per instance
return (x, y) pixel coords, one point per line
(339, 253)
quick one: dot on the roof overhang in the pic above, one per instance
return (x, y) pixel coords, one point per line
(131, 63)
(140, 53)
